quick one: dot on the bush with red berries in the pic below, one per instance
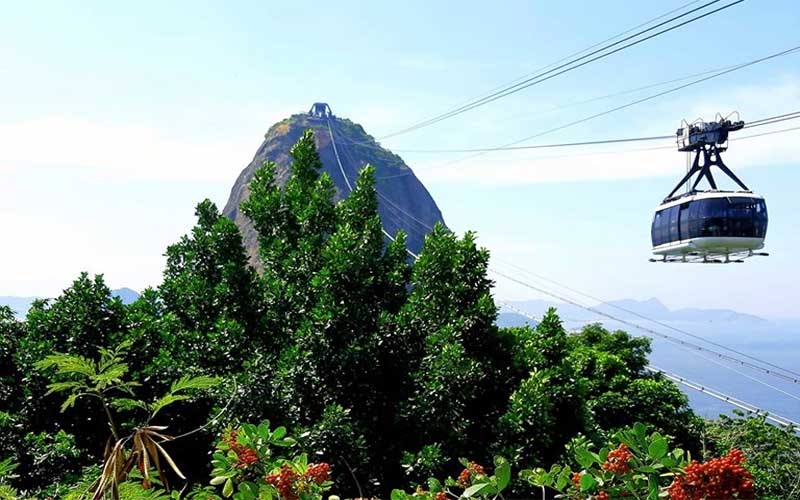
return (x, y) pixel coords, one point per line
(247, 467)
(642, 466)
(472, 482)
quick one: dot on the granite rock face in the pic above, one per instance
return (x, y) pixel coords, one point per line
(403, 202)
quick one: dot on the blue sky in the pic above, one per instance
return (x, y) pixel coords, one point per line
(116, 120)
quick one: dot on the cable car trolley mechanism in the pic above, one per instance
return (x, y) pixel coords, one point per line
(711, 226)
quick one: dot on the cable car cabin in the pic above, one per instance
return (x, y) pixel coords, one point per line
(709, 225)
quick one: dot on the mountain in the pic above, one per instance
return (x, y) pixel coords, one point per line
(633, 310)
(403, 202)
(20, 305)
(126, 295)
(506, 319)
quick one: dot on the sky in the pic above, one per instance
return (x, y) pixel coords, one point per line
(117, 118)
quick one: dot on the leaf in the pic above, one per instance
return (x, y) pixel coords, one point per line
(476, 489)
(584, 457)
(227, 490)
(658, 448)
(434, 485)
(588, 482)
(200, 383)
(170, 461)
(69, 402)
(279, 433)
(502, 472)
(563, 478)
(62, 386)
(399, 495)
(126, 404)
(166, 400)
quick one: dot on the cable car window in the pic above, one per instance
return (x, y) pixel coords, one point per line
(673, 223)
(683, 221)
(657, 232)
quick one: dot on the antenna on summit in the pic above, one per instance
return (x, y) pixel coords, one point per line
(320, 110)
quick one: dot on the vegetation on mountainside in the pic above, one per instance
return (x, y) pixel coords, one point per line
(388, 370)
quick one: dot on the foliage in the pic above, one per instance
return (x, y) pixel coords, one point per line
(472, 482)
(642, 466)
(620, 391)
(247, 466)
(212, 293)
(773, 452)
(106, 379)
(386, 368)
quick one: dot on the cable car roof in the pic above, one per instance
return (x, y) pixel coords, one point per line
(703, 195)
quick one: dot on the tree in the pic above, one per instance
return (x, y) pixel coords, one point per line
(620, 391)
(459, 366)
(549, 406)
(214, 294)
(293, 223)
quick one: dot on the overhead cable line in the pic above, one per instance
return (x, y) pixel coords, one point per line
(635, 102)
(569, 66)
(623, 151)
(756, 123)
(573, 54)
(778, 419)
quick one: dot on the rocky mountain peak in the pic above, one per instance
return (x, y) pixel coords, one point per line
(403, 202)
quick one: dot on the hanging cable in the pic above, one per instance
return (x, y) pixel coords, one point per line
(791, 50)
(569, 66)
(724, 397)
(577, 53)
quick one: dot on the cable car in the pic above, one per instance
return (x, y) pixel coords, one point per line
(711, 226)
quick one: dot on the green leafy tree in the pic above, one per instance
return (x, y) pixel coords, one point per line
(458, 364)
(214, 294)
(83, 317)
(620, 391)
(293, 223)
(548, 407)
(11, 393)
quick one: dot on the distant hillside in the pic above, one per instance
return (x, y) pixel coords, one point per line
(628, 309)
(20, 305)
(506, 319)
(403, 202)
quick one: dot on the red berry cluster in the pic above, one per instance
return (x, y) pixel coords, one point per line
(576, 479)
(617, 460)
(441, 496)
(601, 496)
(473, 469)
(290, 484)
(246, 456)
(319, 473)
(722, 477)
